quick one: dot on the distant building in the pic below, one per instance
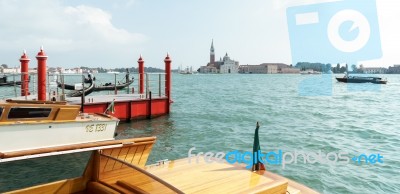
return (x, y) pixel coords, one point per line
(394, 70)
(72, 71)
(374, 70)
(225, 65)
(10, 70)
(258, 69)
(268, 68)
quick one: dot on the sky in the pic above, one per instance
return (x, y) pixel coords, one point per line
(110, 34)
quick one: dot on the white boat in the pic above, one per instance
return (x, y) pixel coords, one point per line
(113, 72)
(186, 71)
(309, 72)
(41, 124)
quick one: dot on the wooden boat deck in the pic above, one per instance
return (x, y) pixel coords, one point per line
(122, 170)
(201, 177)
(217, 177)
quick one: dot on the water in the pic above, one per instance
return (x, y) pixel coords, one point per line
(219, 112)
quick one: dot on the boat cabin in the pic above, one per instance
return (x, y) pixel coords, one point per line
(21, 111)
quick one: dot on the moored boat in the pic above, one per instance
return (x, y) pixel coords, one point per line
(84, 91)
(110, 86)
(28, 125)
(4, 81)
(119, 167)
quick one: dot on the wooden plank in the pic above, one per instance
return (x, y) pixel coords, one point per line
(66, 114)
(127, 142)
(98, 188)
(215, 177)
(63, 186)
(145, 155)
(138, 155)
(131, 187)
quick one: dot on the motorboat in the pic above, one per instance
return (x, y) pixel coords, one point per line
(361, 79)
(30, 124)
(119, 166)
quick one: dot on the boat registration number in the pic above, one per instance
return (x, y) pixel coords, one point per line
(96, 127)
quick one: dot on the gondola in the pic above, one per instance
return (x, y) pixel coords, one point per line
(4, 82)
(66, 86)
(84, 91)
(11, 83)
(109, 86)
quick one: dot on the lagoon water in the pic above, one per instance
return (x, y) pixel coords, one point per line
(309, 113)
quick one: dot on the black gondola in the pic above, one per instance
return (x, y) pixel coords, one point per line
(109, 86)
(66, 86)
(84, 91)
(4, 82)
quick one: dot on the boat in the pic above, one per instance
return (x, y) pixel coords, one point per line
(33, 125)
(310, 72)
(119, 166)
(85, 91)
(87, 80)
(110, 86)
(106, 86)
(113, 72)
(186, 71)
(4, 82)
(66, 86)
(360, 79)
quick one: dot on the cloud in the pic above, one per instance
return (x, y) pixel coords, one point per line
(29, 24)
(98, 23)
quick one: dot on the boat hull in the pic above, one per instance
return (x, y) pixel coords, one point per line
(361, 80)
(22, 136)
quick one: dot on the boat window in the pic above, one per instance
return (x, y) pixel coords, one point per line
(1, 111)
(26, 113)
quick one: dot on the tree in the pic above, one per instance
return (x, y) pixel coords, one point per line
(342, 69)
(354, 68)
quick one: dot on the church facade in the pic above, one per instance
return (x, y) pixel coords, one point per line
(225, 65)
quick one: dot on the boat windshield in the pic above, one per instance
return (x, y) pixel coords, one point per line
(34, 171)
(28, 112)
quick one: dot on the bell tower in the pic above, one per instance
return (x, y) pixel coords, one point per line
(212, 54)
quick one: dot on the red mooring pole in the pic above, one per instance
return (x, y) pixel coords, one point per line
(41, 71)
(24, 74)
(167, 62)
(141, 75)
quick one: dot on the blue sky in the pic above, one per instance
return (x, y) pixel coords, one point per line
(114, 33)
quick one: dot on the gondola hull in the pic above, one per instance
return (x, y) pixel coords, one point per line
(84, 91)
(112, 87)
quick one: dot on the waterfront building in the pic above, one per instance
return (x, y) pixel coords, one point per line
(394, 70)
(225, 65)
(374, 70)
(268, 68)
(10, 70)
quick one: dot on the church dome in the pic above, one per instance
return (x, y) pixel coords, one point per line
(226, 57)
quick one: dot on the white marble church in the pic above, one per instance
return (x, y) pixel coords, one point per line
(225, 65)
